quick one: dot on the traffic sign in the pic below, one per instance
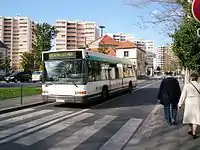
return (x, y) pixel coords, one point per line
(196, 9)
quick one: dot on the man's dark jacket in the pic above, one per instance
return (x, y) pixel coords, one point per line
(169, 92)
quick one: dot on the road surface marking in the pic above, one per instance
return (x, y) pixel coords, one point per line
(57, 120)
(83, 134)
(41, 126)
(146, 125)
(31, 124)
(16, 112)
(42, 134)
(23, 117)
(119, 139)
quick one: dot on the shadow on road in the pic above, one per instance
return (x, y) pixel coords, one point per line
(146, 96)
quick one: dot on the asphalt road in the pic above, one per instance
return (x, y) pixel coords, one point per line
(105, 126)
(2, 85)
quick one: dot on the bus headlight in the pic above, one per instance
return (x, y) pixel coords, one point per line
(45, 92)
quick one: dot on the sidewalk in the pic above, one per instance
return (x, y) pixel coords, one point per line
(155, 134)
(15, 102)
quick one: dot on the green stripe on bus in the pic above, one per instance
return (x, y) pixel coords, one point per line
(102, 59)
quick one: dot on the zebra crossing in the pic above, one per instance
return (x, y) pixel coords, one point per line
(31, 128)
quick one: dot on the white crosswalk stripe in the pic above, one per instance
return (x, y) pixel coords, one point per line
(16, 112)
(40, 127)
(118, 140)
(83, 134)
(20, 118)
(46, 124)
(31, 124)
(40, 135)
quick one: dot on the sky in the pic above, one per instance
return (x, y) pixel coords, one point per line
(115, 15)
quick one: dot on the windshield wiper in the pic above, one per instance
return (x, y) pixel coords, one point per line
(75, 84)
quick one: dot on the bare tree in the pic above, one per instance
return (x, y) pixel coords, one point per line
(170, 13)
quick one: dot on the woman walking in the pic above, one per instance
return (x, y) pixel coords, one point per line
(191, 98)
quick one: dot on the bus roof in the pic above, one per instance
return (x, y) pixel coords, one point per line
(91, 55)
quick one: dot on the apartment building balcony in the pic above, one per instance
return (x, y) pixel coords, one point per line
(60, 27)
(71, 25)
(71, 30)
(60, 22)
(72, 47)
(80, 40)
(71, 42)
(81, 44)
(71, 34)
(60, 45)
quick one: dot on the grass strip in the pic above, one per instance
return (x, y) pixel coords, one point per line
(13, 92)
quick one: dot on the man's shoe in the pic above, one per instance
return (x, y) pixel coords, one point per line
(174, 123)
(190, 133)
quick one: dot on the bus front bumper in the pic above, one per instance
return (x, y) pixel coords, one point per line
(65, 99)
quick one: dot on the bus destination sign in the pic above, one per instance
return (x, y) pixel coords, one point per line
(62, 55)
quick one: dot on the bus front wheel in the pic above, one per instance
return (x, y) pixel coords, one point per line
(105, 94)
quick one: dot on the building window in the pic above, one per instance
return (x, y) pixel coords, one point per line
(125, 53)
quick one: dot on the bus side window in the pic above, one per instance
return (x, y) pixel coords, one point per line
(120, 70)
(93, 71)
(91, 74)
(130, 71)
(96, 70)
(125, 71)
(112, 73)
(117, 73)
(103, 71)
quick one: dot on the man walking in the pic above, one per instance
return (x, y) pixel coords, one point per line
(168, 95)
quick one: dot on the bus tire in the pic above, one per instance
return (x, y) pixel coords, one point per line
(105, 94)
(130, 87)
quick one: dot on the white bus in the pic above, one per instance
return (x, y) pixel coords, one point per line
(82, 76)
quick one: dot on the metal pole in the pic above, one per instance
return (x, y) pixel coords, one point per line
(21, 98)
(101, 27)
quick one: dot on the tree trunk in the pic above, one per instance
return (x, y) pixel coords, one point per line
(187, 76)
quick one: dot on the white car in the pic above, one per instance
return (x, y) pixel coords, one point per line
(37, 76)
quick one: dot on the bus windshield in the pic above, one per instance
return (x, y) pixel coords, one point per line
(65, 71)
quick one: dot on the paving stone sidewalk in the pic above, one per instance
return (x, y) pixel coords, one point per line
(14, 102)
(155, 134)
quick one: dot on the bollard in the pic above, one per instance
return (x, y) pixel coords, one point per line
(21, 94)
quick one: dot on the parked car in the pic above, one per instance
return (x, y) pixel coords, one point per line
(37, 76)
(18, 76)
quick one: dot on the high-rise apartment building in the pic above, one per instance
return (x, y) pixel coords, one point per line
(75, 34)
(166, 59)
(171, 61)
(17, 33)
(121, 37)
(148, 46)
(160, 61)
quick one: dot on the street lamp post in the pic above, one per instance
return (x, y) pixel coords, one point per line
(102, 27)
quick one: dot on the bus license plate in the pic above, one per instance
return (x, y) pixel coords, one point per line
(60, 100)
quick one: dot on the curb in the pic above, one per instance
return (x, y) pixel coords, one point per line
(134, 139)
(10, 109)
